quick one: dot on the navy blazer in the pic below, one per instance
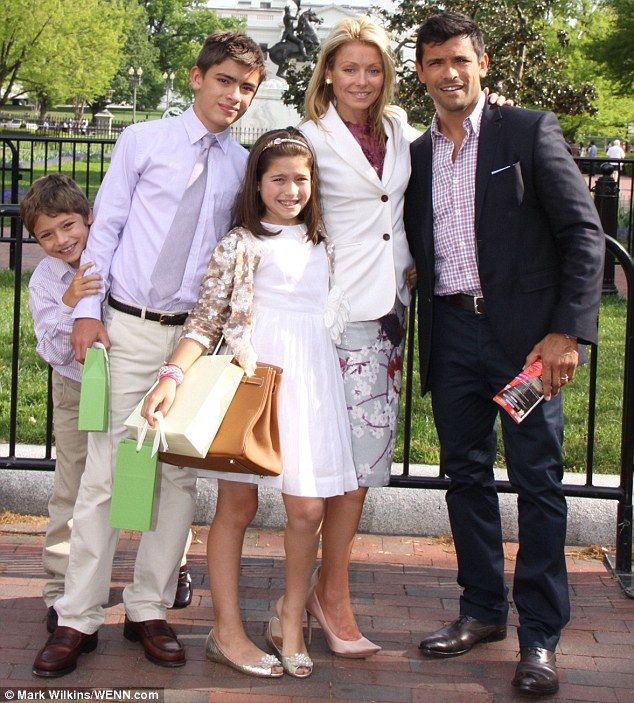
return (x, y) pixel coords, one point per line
(539, 240)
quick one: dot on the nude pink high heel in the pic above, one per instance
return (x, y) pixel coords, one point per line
(349, 649)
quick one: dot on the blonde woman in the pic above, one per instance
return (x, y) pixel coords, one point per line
(364, 166)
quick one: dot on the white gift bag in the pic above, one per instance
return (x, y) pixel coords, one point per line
(200, 405)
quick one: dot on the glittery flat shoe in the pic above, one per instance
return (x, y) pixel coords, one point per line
(291, 663)
(263, 668)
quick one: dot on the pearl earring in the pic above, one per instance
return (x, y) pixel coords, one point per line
(328, 81)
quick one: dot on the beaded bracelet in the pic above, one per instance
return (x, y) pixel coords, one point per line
(171, 371)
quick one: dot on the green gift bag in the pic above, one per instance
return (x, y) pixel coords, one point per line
(132, 503)
(94, 398)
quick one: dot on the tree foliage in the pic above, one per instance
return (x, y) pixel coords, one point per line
(60, 49)
(524, 65)
(614, 51)
(64, 50)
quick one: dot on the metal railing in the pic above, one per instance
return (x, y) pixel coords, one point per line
(622, 494)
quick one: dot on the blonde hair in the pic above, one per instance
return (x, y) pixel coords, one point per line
(352, 29)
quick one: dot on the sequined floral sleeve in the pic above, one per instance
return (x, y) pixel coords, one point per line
(225, 304)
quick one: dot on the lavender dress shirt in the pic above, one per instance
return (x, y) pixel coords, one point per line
(52, 319)
(151, 164)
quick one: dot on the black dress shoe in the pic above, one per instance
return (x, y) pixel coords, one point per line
(51, 619)
(184, 588)
(459, 636)
(536, 672)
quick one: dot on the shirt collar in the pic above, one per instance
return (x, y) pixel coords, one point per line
(60, 268)
(196, 130)
(475, 119)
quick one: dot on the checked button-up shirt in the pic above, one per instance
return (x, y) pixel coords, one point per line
(453, 195)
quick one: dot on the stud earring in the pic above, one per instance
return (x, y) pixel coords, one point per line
(328, 81)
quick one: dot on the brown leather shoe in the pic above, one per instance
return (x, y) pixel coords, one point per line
(51, 619)
(536, 672)
(59, 655)
(158, 639)
(459, 636)
(184, 589)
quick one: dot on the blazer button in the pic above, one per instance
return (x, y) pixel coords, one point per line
(386, 236)
(384, 198)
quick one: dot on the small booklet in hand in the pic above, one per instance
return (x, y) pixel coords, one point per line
(523, 393)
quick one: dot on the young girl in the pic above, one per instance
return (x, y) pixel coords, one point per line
(267, 290)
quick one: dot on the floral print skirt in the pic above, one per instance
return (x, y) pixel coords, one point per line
(371, 360)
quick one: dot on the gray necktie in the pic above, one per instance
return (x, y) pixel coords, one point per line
(169, 270)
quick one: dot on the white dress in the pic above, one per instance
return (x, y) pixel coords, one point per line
(290, 294)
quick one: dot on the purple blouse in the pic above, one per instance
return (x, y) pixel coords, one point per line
(372, 145)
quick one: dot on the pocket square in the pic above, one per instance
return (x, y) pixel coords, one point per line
(504, 168)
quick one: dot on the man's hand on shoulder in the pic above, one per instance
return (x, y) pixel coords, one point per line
(87, 331)
(560, 357)
(499, 100)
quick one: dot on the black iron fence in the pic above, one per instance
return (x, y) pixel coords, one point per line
(25, 159)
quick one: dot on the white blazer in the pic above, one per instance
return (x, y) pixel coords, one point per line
(363, 214)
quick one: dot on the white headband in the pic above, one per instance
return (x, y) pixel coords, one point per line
(279, 140)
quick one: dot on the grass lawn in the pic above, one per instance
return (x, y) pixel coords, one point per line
(33, 374)
(86, 163)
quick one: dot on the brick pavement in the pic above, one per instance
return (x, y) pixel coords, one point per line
(402, 587)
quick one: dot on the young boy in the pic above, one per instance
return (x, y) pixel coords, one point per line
(57, 213)
(164, 203)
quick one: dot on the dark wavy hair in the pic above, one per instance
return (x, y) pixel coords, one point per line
(437, 29)
(227, 44)
(249, 208)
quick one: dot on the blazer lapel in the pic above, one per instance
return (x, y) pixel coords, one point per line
(427, 205)
(391, 146)
(424, 207)
(487, 144)
(341, 141)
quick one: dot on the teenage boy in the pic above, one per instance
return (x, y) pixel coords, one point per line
(509, 255)
(164, 203)
(57, 213)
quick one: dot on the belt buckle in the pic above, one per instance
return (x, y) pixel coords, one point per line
(477, 300)
(164, 318)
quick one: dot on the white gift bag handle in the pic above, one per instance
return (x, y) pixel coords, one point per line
(99, 345)
(159, 437)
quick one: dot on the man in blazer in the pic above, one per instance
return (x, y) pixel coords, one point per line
(509, 254)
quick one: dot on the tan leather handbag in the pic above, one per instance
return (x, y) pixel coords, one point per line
(248, 441)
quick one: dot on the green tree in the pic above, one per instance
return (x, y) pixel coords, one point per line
(138, 52)
(595, 21)
(60, 49)
(614, 50)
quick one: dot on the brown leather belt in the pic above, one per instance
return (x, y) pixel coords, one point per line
(472, 303)
(164, 318)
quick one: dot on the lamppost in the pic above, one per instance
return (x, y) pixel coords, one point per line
(135, 80)
(169, 83)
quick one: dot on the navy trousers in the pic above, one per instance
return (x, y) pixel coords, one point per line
(468, 367)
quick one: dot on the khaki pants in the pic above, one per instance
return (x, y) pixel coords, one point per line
(138, 349)
(70, 445)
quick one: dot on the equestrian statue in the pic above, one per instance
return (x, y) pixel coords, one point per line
(297, 42)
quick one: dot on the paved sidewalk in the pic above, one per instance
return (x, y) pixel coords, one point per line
(402, 587)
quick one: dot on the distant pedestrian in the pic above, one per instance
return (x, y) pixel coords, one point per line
(615, 151)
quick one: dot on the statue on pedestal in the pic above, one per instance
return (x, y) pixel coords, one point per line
(298, 41)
